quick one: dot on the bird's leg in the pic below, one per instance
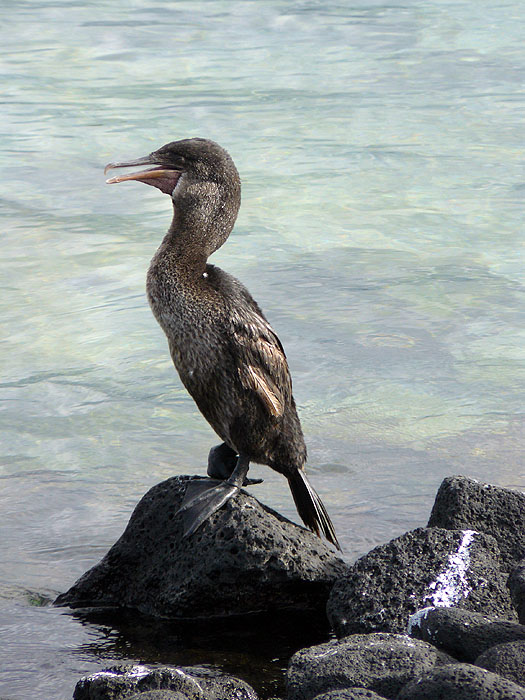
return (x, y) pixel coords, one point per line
(238, 475)
(221, 463)
(205, 496)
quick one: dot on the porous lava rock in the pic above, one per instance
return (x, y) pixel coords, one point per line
(508, 660)
(461, 682)
(424, 567)
(244, 559)
(379, 662)
(466, 503)
(350, 694)
(462, 633)
(190, 682)
(516, 584)
(158, 695)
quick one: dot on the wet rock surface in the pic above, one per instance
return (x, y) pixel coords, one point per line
(461, 682)
(508, 660)
(184, 683)
(379, 662)
(246, 558)
(462, 633)
(425, 567)
(466, 503)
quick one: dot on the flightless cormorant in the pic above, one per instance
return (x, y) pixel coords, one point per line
(227, 355)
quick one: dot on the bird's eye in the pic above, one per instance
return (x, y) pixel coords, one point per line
(181, 161)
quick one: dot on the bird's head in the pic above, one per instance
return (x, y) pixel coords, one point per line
(201, 179)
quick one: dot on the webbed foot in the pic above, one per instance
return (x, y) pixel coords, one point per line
(204, 497)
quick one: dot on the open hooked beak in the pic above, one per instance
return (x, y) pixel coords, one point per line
(161, 176)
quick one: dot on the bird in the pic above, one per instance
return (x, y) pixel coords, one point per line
(227, 355)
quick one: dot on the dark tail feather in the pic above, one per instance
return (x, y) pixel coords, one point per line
(311, 508)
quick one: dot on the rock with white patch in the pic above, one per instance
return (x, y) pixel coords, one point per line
(123, 681)
(424, 567)
(191, 683)
(461, 682)
(467, 503)
(462, 633)
(379, 662)
(245, 558)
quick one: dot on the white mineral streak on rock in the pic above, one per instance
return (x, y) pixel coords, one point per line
(328, 652)
(415, 619)
(191, 678)
(136, 672)
(451, 585)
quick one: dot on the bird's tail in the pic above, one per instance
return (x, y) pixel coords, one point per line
(310, 507)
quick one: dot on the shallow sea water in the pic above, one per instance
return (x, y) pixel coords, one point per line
(381, 151)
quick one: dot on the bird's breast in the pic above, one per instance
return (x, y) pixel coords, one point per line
(191, 318)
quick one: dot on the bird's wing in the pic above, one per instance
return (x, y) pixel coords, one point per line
(262, 366)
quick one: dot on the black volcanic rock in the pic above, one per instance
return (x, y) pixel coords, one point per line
(516, 584)
(461, 682)
(465, 503)
(350, 694)
(246, 558)
(191, 682)
(462, 633)
(508, 660)
(379, 662)
(159, 695)
(422, 568)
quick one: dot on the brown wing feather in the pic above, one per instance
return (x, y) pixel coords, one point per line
(252, 378)
(264, 368)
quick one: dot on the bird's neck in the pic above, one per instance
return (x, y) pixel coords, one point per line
(183, 247)
(203, 217)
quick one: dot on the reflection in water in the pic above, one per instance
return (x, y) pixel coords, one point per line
(256, 648)
(63, 646)
(380, 148)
